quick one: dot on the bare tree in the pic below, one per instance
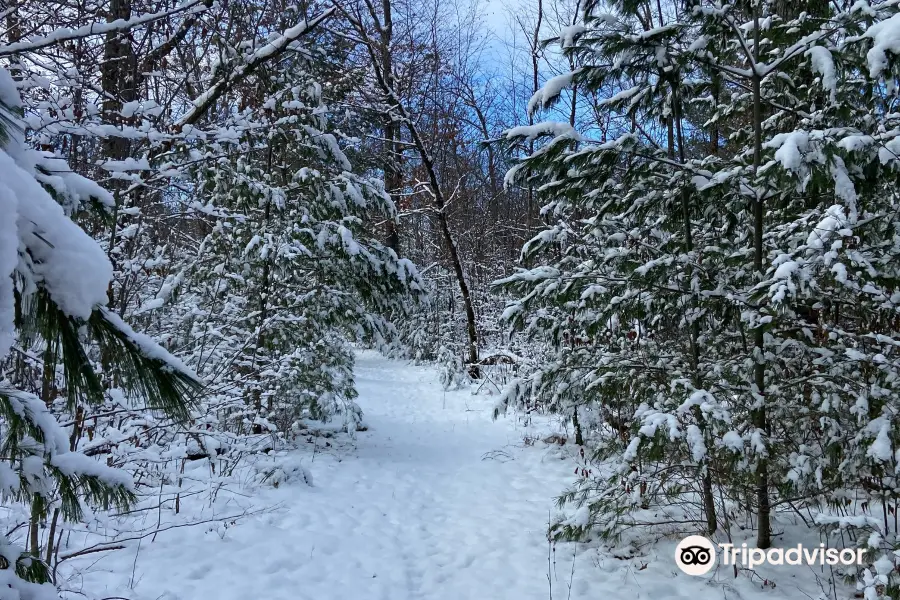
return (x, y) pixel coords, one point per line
(373, 27)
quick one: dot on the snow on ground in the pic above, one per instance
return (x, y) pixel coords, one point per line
(436, 501)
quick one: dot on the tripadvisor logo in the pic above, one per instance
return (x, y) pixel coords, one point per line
(696, 555)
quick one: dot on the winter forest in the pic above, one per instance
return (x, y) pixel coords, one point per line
(447, 299)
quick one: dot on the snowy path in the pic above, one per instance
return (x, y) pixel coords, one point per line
(414, 513)
(418, 513)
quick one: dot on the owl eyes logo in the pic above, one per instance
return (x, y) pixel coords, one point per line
(695, 555)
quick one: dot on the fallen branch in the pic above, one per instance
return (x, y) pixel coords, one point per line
(90, 551)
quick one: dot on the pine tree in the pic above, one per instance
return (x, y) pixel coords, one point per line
(289, 269)
(52, 297)
(719, 281)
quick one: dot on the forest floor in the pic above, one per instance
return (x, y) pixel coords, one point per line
(434, 501)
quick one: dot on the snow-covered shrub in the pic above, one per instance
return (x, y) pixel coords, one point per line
(453, 372)
(283, 471)
(434, 323)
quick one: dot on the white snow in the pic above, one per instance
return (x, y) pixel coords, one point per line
(435, 502)
(37, 239)
(9, 258)
(843, 185)
(531, 132)
(880, 449)
(568, 34)
(785, 270)
(277, 44)
(56, 173)
(73, 268)
(74, 464)
(621, 95)
(417, 511)
(695, 441)
(35, 410)
(733, 441)
(834, 221)
(9, 93)
(823, 64)
(790, 148)
(644, 35)
(129, 164)
(9, 481)
(552, 88)
(149, 305)
(883, 565)
(886, 37)
(141, 107)
(148, 347)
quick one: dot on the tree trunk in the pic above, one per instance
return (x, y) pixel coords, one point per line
(758, 416)
(117, 77)
(263, 309)
(535, 42)
(437, 194)
(13, 35)
(392, 172)
(709, 504)
(579, 435)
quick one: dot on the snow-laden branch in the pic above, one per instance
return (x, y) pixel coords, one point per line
(261, 55)
(64, 33)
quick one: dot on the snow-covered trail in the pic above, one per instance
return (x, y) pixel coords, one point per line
(415, 512)
(436, 502)
(418, 513)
